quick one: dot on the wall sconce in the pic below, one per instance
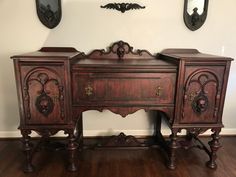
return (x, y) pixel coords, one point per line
(195, 13)
(49, 12)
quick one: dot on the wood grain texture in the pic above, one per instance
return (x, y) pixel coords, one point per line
(119, 163)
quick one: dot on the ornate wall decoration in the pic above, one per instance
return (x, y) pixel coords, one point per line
(194, 20)
(123, 7)
(49, 12)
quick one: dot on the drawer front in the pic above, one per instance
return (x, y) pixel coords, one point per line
(43, 93)
(126, 88)
(202, 94)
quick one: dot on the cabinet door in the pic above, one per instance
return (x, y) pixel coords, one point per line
(202, 94)
(43, 93)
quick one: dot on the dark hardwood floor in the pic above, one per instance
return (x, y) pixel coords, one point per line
(119, 163)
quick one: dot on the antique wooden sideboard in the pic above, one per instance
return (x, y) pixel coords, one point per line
(56, 85)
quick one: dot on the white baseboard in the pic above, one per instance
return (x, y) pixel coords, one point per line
(90, 133)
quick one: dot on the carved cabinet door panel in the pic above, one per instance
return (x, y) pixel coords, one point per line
(43, 94)
(202, 92)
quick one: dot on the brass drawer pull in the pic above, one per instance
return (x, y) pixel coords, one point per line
(88, 90)
(158, 92)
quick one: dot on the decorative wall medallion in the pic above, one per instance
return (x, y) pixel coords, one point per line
(122, 7)
(49, 12)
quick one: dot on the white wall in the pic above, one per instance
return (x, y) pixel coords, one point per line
(86, 26)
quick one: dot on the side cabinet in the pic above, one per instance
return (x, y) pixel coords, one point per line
(44, 91)
(200, 94)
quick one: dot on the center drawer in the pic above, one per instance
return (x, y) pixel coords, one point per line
(126, 88)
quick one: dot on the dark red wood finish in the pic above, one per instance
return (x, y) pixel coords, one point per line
(55, 85)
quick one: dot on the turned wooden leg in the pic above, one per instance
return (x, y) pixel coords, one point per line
(214, 145)
(172, 150)
(27, 148)
(72, 147)
(79, 131)
(157, 125)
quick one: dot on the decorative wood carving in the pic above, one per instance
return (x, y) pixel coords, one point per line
(121, 140)
(61, 100)
(200, 102)
(43, 102)
(120, 50)
(26, 101)
(46, 132)
(123, 7)
(196, 130)
(124, 111)
(202, 90)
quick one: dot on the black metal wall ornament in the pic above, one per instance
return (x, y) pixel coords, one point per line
(49, 12)
(123, 7)
(195, 19)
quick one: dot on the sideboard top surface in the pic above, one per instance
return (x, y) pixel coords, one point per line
(51, 53)
(121, 53)
(191, 54)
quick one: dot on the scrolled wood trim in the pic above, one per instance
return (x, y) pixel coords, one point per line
(120, 50)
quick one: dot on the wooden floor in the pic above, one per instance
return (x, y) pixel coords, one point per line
(119, 163)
